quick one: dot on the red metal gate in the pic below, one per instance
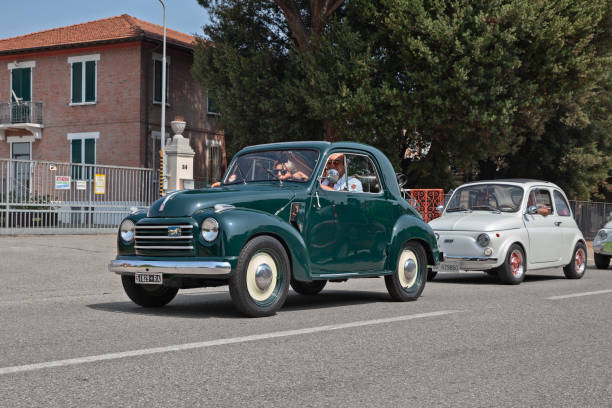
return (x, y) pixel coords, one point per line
(427, 200)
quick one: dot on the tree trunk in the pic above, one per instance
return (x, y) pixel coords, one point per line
(331, 133)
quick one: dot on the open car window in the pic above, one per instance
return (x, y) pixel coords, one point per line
(295, 165)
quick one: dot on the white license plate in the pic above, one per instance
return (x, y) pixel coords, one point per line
(448, 267)
(149, 278)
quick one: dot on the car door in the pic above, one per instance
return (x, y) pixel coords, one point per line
(566, 223)
(545, 238)
(346, 229)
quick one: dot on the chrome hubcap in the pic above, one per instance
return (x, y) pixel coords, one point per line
(516, 263)
(263, 276)
(580, 264)
(407, 268)
(410, 269)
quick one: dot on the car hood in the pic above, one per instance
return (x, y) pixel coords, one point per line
(263, 197)
(476, 221)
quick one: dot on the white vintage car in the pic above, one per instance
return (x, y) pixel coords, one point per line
(602, 246)
(509, 227)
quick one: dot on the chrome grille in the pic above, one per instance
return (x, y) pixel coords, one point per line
(157, 240)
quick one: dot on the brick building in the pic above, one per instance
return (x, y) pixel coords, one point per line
(91, 93)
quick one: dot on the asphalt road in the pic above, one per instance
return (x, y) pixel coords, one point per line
(70, 337)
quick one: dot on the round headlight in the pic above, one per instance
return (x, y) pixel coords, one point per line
(603, 235)
(126, 229)
(210, 229)
(483, 240)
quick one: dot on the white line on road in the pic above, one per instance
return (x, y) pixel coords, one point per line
(219, 342)
(597, 292)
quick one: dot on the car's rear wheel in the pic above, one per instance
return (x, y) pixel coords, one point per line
(512, 271)
(577, 266)
(147, 295)
(408, 280)
(308, 288)
(260, 283)
(602, 261)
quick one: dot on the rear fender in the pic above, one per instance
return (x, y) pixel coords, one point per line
(410, 228)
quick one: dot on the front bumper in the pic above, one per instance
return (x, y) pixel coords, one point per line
(599, 248)
(470, 263)
(178, 268)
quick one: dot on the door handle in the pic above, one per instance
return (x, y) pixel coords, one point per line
(557, 223)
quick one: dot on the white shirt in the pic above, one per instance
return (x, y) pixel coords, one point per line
(353, 184)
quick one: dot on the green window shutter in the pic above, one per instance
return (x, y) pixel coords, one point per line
(76, 158)
(77, 82)
(212, 108)
(90, 156)
(90, 81)
(90, 151)
(157, 78)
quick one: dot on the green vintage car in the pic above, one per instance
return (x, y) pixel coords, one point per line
(299, 214)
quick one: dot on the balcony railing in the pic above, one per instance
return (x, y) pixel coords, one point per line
(21, 112)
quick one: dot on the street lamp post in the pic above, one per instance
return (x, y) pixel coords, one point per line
(163, 104)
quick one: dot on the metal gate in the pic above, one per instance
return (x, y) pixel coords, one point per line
(40, 197)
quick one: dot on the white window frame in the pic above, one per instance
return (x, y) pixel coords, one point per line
(83, 59)
(83, 136)
(17, 65)
(160, 58)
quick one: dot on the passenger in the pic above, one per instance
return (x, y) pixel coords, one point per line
(287, 172)
(336, 162)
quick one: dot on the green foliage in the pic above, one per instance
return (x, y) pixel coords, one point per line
(459, 82)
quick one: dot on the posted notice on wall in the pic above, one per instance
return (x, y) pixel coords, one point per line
(81, 185)
(62, 182)
(100, 186)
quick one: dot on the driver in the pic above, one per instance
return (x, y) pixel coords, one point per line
(336, 162)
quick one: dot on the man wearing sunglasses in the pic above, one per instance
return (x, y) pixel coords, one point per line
(283, 171)
(336, 162)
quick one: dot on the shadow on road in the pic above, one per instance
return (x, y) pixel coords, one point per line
(206, 305)
(485, 279)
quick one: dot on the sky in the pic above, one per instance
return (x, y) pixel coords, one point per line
(19, 17)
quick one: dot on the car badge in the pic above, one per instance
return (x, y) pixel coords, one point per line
(449, 241)
(174, 231)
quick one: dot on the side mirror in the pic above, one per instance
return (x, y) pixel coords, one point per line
(332, 176)
(440, 208)
(532, 210)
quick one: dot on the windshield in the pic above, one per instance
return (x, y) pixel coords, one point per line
(486, 197)
(282, 165)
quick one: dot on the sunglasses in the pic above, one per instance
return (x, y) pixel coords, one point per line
(337, 161)
(281, 171)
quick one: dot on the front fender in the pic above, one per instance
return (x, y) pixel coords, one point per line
(407, 228)
(238, 226)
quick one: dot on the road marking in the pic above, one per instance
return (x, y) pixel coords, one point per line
(219, 342)
(597, 292)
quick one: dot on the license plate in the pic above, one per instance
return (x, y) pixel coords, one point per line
(149, 278)
(608, 246)
(448, 267)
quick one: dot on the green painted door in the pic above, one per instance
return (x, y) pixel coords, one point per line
(21, 82)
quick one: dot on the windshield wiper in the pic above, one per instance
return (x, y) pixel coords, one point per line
(270, 172)
(455, 209)
(485, 207)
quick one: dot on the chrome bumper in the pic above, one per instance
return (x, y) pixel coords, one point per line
(206, 268)
(470, 263)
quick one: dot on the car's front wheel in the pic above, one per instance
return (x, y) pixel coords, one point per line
(512, 271)
(308, 288)
(408, 280)
(147, 295)
(602, 261)
(577, 266)
(260, 283)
